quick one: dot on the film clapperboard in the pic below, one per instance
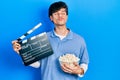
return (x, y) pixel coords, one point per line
(34, 48)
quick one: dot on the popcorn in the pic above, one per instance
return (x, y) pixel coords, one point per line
(68, 59)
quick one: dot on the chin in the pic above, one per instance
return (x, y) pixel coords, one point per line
(60, 24)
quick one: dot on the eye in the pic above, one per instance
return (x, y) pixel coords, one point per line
(63, 13)
(55, 13)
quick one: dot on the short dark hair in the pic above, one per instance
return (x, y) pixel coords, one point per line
(57, 6)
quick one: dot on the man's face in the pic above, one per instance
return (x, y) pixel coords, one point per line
(59, 18)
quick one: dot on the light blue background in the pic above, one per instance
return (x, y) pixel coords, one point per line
(98, 21)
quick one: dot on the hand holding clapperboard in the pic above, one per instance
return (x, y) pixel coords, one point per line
(34, 48)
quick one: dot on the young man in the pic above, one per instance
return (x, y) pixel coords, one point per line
(63, 41)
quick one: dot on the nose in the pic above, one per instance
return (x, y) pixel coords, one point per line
(59, 14)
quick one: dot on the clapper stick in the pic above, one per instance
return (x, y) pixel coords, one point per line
(29, 32)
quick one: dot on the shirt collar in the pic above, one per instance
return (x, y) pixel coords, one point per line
(69, 35)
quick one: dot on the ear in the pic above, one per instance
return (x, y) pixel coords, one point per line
(51, 18)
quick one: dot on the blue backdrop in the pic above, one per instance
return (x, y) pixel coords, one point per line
(98, 21)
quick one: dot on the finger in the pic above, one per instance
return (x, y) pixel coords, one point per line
(17, 50)
(15, 41)
(16, 47)
(67, 66)
(16, 44)
(66, 70)
(75, 64)
(64, 67)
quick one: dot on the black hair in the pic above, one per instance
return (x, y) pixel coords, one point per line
(57, 6)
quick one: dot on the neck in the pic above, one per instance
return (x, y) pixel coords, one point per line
(61, 30)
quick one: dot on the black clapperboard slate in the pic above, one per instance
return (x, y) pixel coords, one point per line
(35, 48)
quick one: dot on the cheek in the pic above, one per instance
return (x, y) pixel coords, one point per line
(66, 18)
(52, 19)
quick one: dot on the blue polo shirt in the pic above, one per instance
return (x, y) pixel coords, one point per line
(72, 44)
